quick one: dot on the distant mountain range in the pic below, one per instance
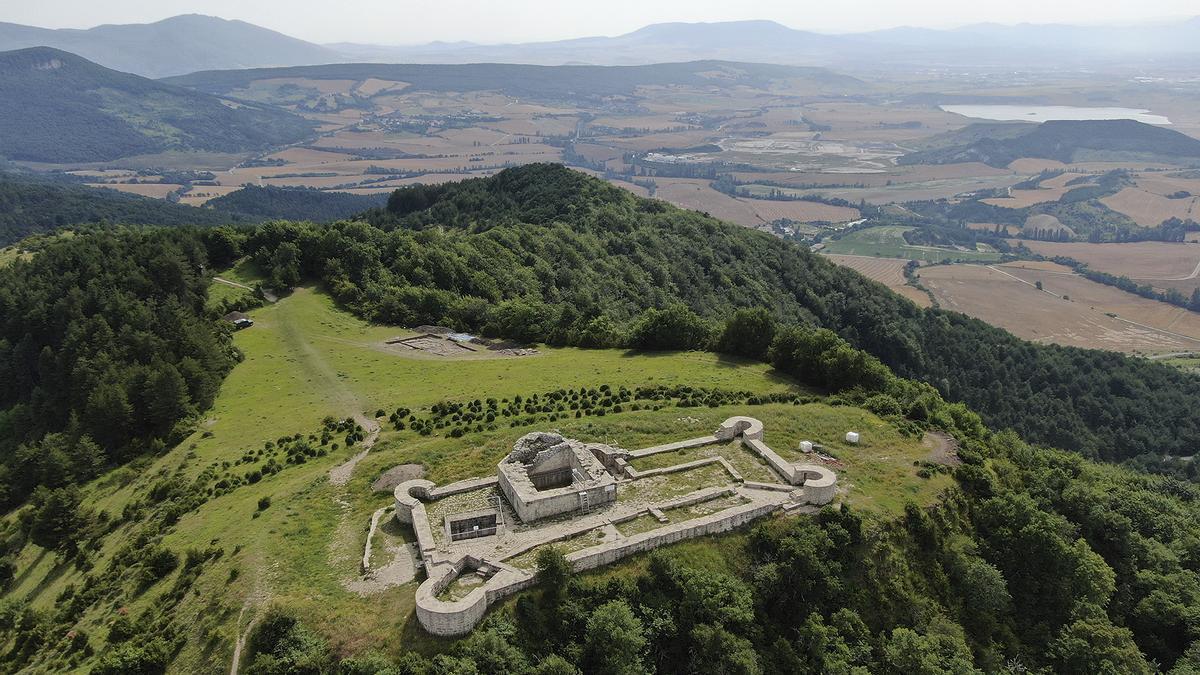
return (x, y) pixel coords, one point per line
(181, 44)
(1026, 45)
(191, 43)
(999, 144)
(58, 107)
(567, 82)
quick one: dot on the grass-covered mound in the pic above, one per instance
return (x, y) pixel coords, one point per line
(249, 491)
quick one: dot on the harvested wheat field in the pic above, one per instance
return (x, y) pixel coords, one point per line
(1007, 297)
(1050, 190)
(1149, 209)
(1159, 264)
(155, 190)
(201, 194)
(1040, 265)
(697, 195)
(887, 271)
(801, 211)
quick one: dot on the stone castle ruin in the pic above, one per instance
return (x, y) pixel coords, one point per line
(547, 475)
(478, 538)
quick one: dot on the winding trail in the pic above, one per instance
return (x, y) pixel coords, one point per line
(240, 644)
(326, 380)
(235, 284)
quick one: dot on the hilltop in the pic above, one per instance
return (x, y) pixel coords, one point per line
(180, 44)
(176, 489)
(1062, 140)
(59, 107)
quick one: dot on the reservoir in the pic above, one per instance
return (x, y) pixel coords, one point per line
(1042, 113)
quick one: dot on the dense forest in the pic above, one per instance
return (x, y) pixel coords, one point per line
(105, 350)
(544, 253)
(294, 203)
(30, 205)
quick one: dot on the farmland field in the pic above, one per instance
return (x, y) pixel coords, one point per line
(1069, 311)
(1050, 190)
(888, 242)
(1149, 209)
(1158, 264)
(887, 271)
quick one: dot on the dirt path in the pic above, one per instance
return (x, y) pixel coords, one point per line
(269, 296)
(240, 643)
(326, 379)
(340, 475)
(235, 284)
(943, 448)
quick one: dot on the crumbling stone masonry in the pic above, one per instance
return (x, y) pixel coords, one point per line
(546, 476)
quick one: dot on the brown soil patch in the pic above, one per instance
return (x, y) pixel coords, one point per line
(943, 448)
(388, 480)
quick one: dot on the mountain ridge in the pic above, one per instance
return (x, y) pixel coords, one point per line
(49, 94)
(1062, 140)
(192, 43)
(174, 46)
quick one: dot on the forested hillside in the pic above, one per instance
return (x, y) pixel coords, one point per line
(29, 205)
(57, 107)
(542, 252)
(516, 79)
(294, 203)
(104, 349)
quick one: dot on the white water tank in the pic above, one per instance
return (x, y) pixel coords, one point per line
(806, 446)
(852, 437)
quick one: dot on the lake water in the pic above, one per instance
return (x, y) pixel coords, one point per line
(1042, 113)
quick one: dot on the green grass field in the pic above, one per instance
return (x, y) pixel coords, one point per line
(305, 360)
(888, 242)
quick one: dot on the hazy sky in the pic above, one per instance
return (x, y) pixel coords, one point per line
(492, 21)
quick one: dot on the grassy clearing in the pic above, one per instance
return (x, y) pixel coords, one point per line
(888, 242)
(705, 508)
(751, 466)
(461, 587)
(306, 360)
(528, 559)
(1188, 364)
(657, 489)
(643, 523)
